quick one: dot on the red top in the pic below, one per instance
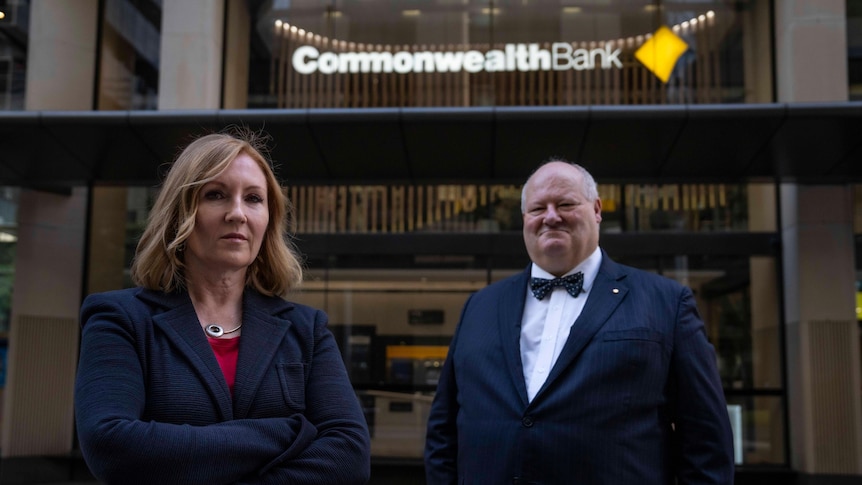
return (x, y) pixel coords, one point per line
(226, 352)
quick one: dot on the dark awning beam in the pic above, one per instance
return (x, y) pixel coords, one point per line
(816, 143)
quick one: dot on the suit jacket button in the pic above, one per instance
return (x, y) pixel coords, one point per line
(527, 421)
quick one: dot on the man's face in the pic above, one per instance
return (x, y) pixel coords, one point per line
(561, 224)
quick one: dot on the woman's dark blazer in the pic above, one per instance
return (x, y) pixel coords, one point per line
(152, 404)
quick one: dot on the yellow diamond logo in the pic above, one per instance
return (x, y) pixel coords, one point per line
(660, 53)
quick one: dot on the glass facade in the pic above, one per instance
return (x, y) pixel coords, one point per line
(8, 240)
(854, 49)
(14, 25)
(129, 55)
(393, 264)
(394, 300)
(857, 228)
(394, 311)
(346, 209)
(8, 244)
(343, 54)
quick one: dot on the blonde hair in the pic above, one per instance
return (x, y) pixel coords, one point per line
(158, 262)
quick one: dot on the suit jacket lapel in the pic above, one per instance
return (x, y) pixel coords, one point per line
(509, 320)
(605, 296)
(180, 325)
(262, 334)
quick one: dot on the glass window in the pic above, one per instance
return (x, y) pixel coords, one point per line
(854, 49)
(394, 296)
(857, 230)
(343, 209)
(394, 312)
(511, 53)
(758, 429)
(129, 68)
(8, 244)
(14, 24)
(8, 241)
(394, 325)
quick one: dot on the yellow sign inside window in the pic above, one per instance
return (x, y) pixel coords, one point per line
(660, 53)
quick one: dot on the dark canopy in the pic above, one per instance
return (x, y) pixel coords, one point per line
(806, 143)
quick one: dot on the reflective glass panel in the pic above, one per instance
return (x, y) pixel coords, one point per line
(854, 49)
(394, 299)
(758, 429)
(8, 242)
(14, 24)
(129, 61)
(375, 53)
(344, 209)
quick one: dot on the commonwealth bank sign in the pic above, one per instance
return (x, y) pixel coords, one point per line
(561, 56)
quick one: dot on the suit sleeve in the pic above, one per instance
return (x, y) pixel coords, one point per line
(341, 452)
(704, 442)
(441, 437)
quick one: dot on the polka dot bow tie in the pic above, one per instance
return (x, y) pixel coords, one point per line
(572, 283)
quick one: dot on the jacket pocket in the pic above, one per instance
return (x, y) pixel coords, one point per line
(637, 333)
(292, 376)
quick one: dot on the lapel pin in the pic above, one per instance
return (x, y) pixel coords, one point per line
(616, 290)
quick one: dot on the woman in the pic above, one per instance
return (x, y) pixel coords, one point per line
(204, 373)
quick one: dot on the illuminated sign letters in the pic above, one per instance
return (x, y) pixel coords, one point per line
(513, 57)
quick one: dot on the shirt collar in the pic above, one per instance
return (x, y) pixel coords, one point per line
(589, 266)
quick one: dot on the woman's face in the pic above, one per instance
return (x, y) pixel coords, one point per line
(231, 221)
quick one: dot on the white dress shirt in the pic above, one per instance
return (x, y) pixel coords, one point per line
(546, 323)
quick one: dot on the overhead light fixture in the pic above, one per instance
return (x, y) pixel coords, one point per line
(491, 11)
(572, 10)
(411, 13)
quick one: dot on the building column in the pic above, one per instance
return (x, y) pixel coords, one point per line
(823, 370)
(190, 71)
(61, 55)
(811, 39)
(822, 333)
(38, 419)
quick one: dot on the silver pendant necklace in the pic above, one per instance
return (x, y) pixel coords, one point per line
(216, 331)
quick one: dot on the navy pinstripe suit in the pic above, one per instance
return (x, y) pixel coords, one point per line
(634, 398)
(152, 404)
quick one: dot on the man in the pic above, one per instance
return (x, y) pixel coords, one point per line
(614, 384)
